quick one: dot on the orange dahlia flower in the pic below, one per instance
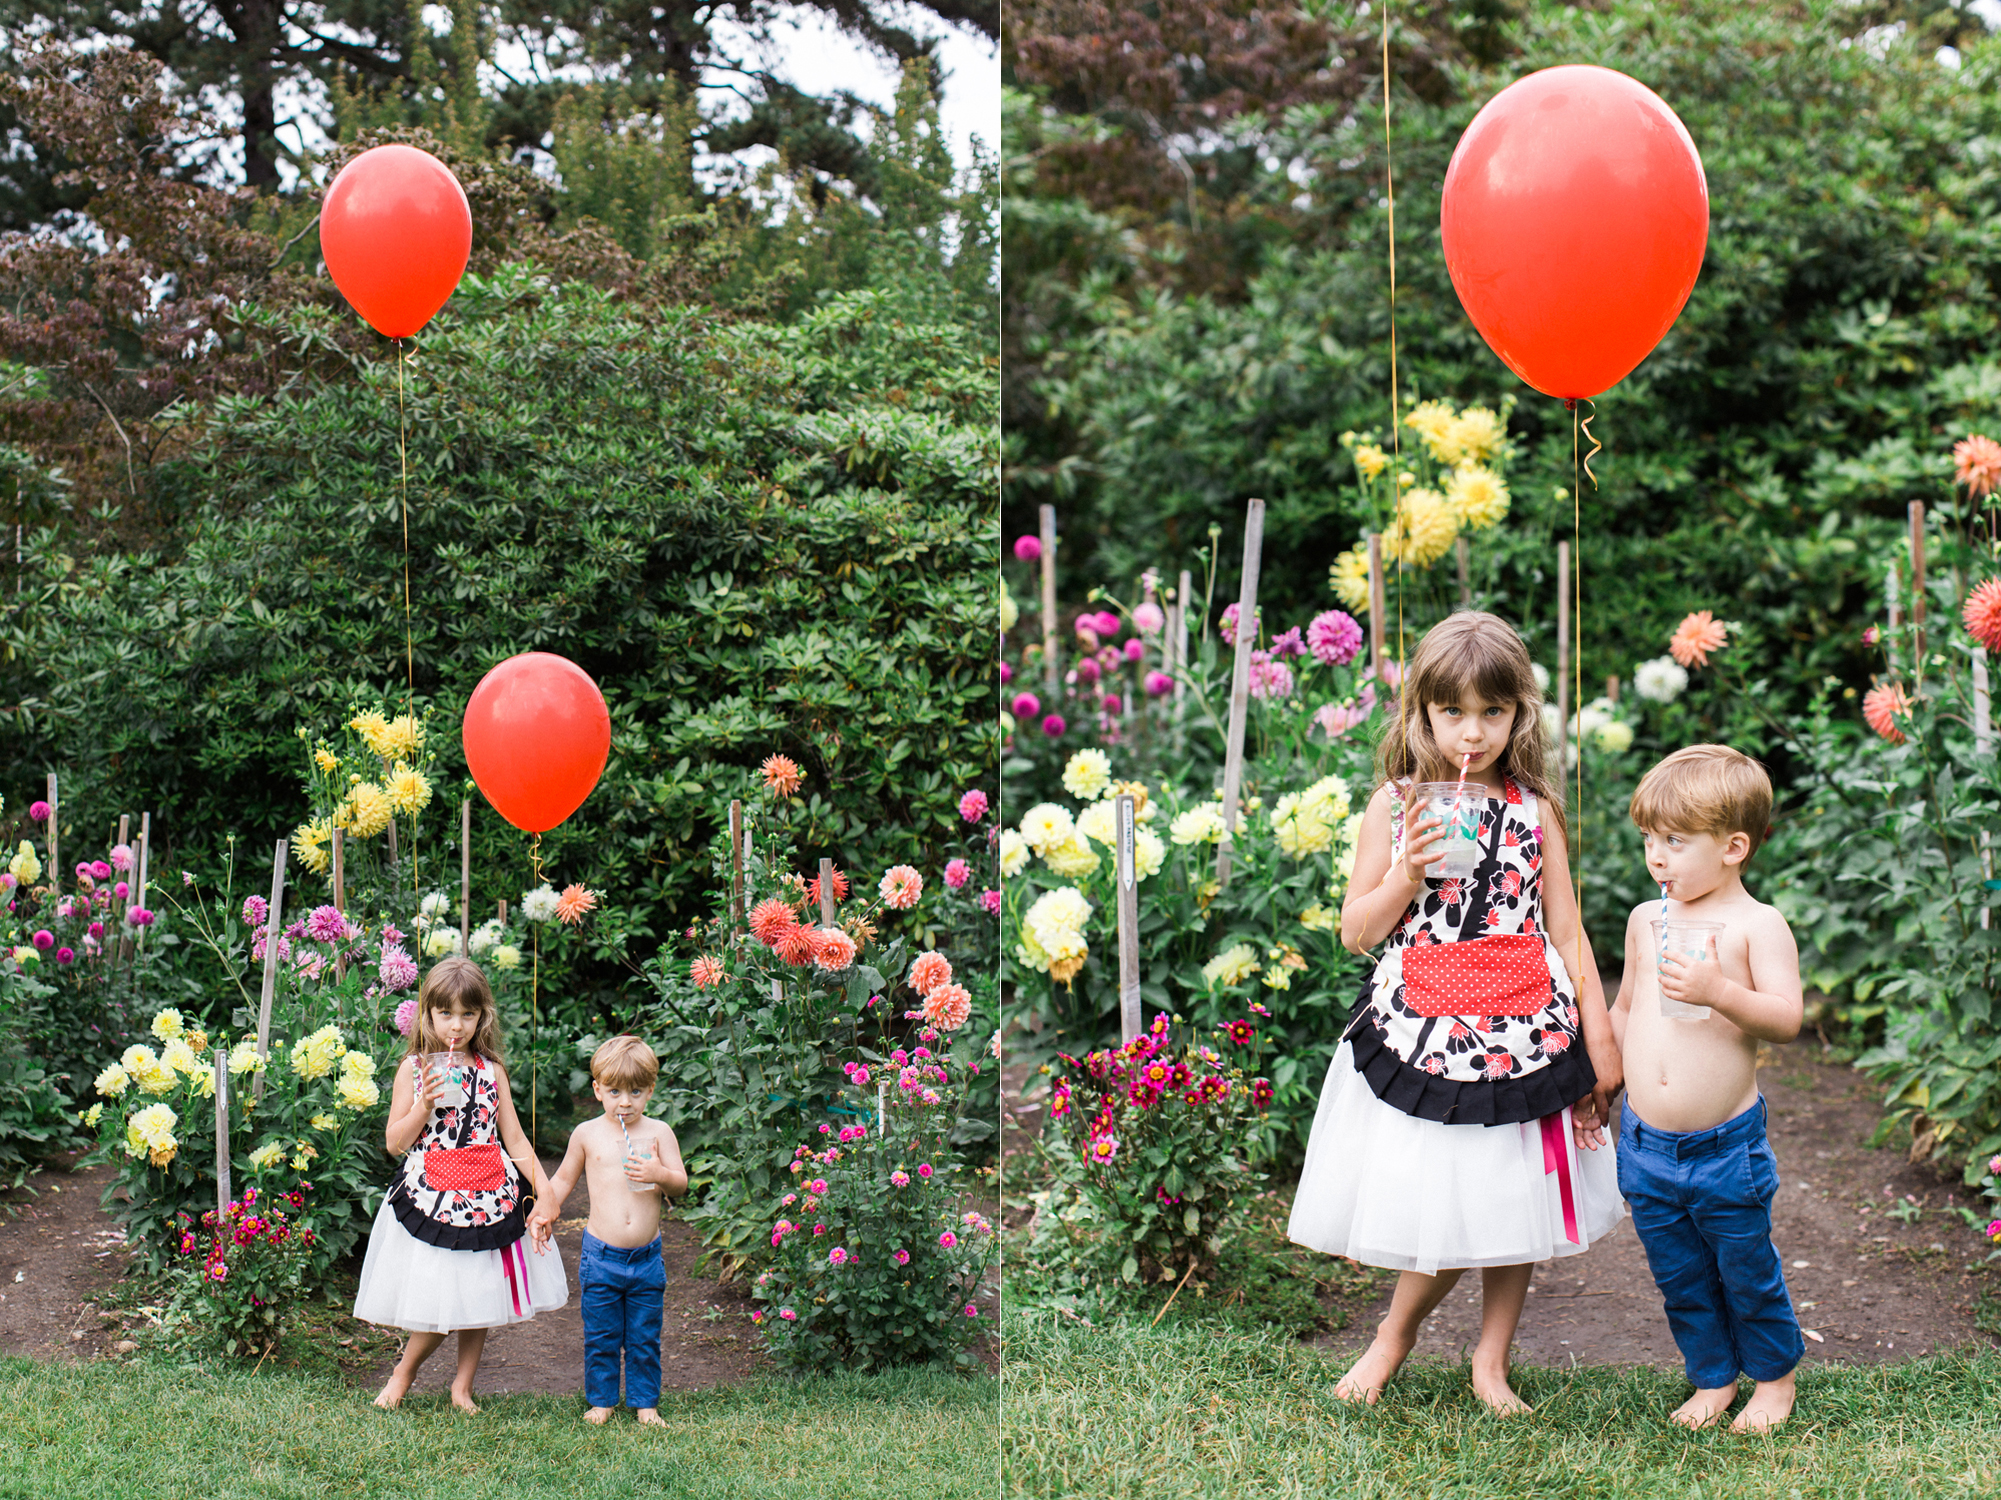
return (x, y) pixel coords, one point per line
(575, 903)
(929, 971)
(840, 887)
(948, 1006)
(782, 774)
(1977, 464)
(706, 971)
(1983, 614)
(1695, 637)
(1882, 707)
(771, 920)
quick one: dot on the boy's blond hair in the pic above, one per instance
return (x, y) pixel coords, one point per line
(1706, 789)
(625, 1062)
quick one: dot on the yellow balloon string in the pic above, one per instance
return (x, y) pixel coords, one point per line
(1396, 436)
(409, 641)
(1577, 614)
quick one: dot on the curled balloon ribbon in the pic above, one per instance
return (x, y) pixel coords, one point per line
(1596, 446)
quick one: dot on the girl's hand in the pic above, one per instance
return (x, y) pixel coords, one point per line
(1422, 828)
(1603, 1099)
(431, 1085)
(1587, 1125)
(1690, 981)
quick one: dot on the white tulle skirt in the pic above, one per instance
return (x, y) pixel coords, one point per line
(406, 1283)
(1388, 1189)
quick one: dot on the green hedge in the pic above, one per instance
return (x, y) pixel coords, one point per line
(758, 539)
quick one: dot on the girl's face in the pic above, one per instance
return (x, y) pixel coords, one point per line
(455, 1021)
(1470, 725)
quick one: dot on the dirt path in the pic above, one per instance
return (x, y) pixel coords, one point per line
(60, 1254)
(1872, 1287)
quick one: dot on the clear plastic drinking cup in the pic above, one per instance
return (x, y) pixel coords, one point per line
(1691, 940)
(640, 1151)
(1459, 805)
(451, 1067)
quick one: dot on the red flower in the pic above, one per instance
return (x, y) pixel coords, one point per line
(1451, 891)
(1433, 1064)
(1260, 1092)
(1241, 1032)
(1498, 1064)
(1554, 1041)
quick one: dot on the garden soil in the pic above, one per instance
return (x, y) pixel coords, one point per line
(61, 1258)
(1871, 1284)
(1868, 1286)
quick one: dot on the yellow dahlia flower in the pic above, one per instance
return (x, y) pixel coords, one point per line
(366, 812)
(113, 1081)
(1350, 579)
(358, 1093)
(1370, 460)
(374, 732)
(1232, 966)
(1013, 852)
(1477, 496)
(1046, 825)
(309, 844)
(267, 1156)
(409, 791)
(1088, 773)
(1477, 435)
(1072, 858)
(168, 1024)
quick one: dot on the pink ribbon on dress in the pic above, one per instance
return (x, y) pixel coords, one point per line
(1556, 1159)
(508, 1254)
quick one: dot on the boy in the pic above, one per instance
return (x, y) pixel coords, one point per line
(620, 1273)
(1694, 1164)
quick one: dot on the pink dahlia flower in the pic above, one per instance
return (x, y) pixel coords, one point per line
(930, 970)
(957, 873)
(991, 900)
(406, 1015)
(973, 806)
(948, 1006)
(1053, 726)
(255, 910)
(1028, 548)
(1025, 706)
(1148, 618)
(1334, 637)
(1882, 707)
(837, 950)
(397, 970)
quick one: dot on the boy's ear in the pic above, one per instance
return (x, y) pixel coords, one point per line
(1737, 848)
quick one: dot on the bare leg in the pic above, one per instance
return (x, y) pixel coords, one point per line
(1503, 1289)
(472, 1344)
(1410, 1304)
(420, 1348)
(649, 1416)
(1770, 1404)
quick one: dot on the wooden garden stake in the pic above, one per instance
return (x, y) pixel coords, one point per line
(1128, 897)
(115, 949)
(222, 1191)
(1918, 590)
(1051, 666)
(1562, 642)
(826, 893)
(55, 860)
(1983, 744)
(139, 893)
(1181, 598)
(1895, 614)
(272, 927)
(736, 864)
(1375, 607)
(1240, 683)
(1612, 690)
(465, 876)
(503, 914)
(1463, 549)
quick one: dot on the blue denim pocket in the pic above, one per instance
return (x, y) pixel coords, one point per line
(1761, 1171)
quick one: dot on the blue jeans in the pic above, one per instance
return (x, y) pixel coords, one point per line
(1702, 1204)
(622, 1292)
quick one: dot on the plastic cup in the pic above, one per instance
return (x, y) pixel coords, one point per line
(1691, 940)
(642, 1152)
(450, 1066)
(1460, 806)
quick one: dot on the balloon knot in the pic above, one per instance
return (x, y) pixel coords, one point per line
(1570, 403)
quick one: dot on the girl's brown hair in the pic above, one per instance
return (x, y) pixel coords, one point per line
(1470, 651)
(460, 979)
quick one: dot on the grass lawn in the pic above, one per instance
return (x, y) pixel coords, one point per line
(107, 1431)
(1191, 1408)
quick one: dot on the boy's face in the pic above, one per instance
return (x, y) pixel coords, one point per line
(1471, 725)
(622, 1103)
(455, 1022)
(1691, 865)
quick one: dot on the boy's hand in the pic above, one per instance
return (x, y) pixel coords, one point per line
(648, 1168)
(540, 1225)
(1690, 982)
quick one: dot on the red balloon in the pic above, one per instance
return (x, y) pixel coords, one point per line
(396, 233)
(1574, 218)
(536, 737)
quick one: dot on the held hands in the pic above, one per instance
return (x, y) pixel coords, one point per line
(541, 1228)
(1690, 981)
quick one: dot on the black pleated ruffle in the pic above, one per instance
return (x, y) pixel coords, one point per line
(497, 1235)
(1559, 1083)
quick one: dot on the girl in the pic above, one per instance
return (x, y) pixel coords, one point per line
(1443, 1138)
(446, 1251)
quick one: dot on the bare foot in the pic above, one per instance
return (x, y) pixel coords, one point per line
(1491, 1386)
(1368, 1375)
(598, 1414)
(394, 1392)
(1770, 1404)
(650, 1417)
(1704, 1407)
(463, 1401)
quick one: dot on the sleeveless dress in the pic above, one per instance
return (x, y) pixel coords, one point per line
(1445, 1141)
(442, 1259)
